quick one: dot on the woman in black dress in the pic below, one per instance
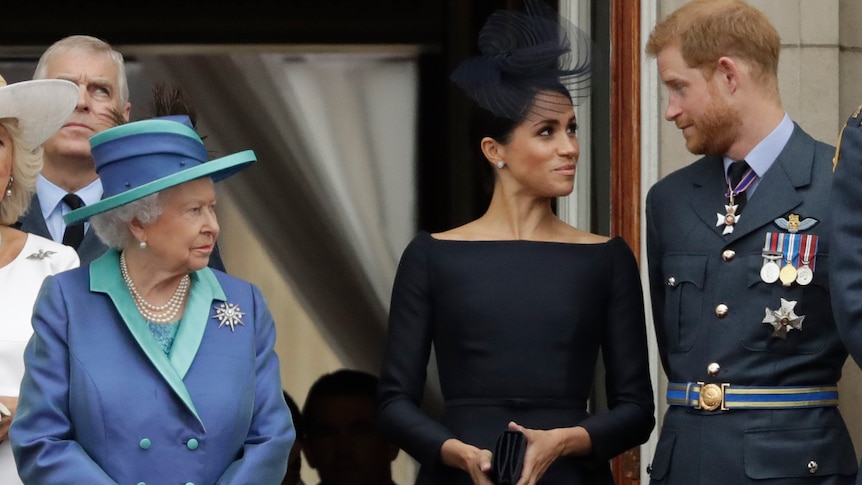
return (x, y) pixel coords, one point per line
(517, 303)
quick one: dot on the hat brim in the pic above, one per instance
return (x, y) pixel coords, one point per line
(218, 169)
(41, 106)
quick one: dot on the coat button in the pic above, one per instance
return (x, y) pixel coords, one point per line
(671, 281)
(728, 254)
(145, 444)
(192, 444)
(712, 369)
(721, 310)
(813, 466)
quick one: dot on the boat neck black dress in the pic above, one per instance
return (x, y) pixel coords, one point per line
(517, 327)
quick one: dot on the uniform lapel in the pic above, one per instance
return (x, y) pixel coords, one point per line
(777, 195)
(708, 186)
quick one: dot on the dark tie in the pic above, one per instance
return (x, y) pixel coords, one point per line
(735, 173)
(74, 232)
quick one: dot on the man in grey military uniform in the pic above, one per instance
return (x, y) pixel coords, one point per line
(737, 247)
(845, 261)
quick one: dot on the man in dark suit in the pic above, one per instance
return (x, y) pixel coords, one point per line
(68, 176)
(737, 250)
(68, 179)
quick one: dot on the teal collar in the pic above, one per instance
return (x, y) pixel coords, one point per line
(105, 277)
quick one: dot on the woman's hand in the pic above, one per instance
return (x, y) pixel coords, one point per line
(11, 404)
(545, 446)
(476, 462)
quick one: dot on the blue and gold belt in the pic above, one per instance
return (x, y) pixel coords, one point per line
(724, 396)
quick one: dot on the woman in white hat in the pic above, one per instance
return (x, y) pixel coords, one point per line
(30, 112)
(146, 366)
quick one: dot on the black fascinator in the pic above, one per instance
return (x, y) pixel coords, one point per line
(523, 53)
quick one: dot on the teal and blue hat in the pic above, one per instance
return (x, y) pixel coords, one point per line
(140, 158)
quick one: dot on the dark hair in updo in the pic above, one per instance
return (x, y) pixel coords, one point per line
(525, 54)
(500, 128)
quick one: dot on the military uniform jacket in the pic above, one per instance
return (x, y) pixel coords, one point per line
(101, 403)
(709, 303)
(845, 265)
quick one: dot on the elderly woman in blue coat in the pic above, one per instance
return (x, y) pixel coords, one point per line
(146, 366)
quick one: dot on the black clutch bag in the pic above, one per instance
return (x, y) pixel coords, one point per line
(508, 460)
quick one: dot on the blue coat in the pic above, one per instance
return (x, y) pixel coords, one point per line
(709, 304)
(101, 403)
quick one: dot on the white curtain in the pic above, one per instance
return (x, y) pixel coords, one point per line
(356, 115)
(332, 196)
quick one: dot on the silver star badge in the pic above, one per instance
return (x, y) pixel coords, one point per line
(229, 314)
(41, 254)
(728, 219)
(784, 319)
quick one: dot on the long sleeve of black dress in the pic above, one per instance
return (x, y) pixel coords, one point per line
(517, 327)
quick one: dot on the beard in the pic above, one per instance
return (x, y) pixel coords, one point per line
(717, 130)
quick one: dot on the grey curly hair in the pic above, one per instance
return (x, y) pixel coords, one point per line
(112, 226)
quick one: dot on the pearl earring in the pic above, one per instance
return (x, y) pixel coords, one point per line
(501, 164)
(143, 244)
(9, 186)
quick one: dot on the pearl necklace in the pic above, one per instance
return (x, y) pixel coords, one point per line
(156, 313)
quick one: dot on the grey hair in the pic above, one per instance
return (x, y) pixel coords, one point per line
(92, 45)
(112, 226)
(26, 165)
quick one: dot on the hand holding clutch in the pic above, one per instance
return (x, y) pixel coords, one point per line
(508, 460)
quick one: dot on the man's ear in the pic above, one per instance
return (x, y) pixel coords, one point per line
(728, 72)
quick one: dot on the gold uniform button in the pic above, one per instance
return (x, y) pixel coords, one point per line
(728, 254)
(712, 369)
(721, 310)
(813, 466)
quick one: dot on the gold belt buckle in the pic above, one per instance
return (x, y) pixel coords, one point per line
(712, 396)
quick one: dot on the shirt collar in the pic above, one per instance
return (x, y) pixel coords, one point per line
(764, 154)
(50, 195)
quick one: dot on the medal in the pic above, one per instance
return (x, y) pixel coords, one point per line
(807, 250)
(770, 270)
(784, 319)
(787, 275)
(730, 216)
(804, 275)
(788, 271)
(728, 219)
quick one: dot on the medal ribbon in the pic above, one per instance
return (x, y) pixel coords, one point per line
(808, 250)
(743, 184)
(791, 248)
(770, 246)
(770, 243)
